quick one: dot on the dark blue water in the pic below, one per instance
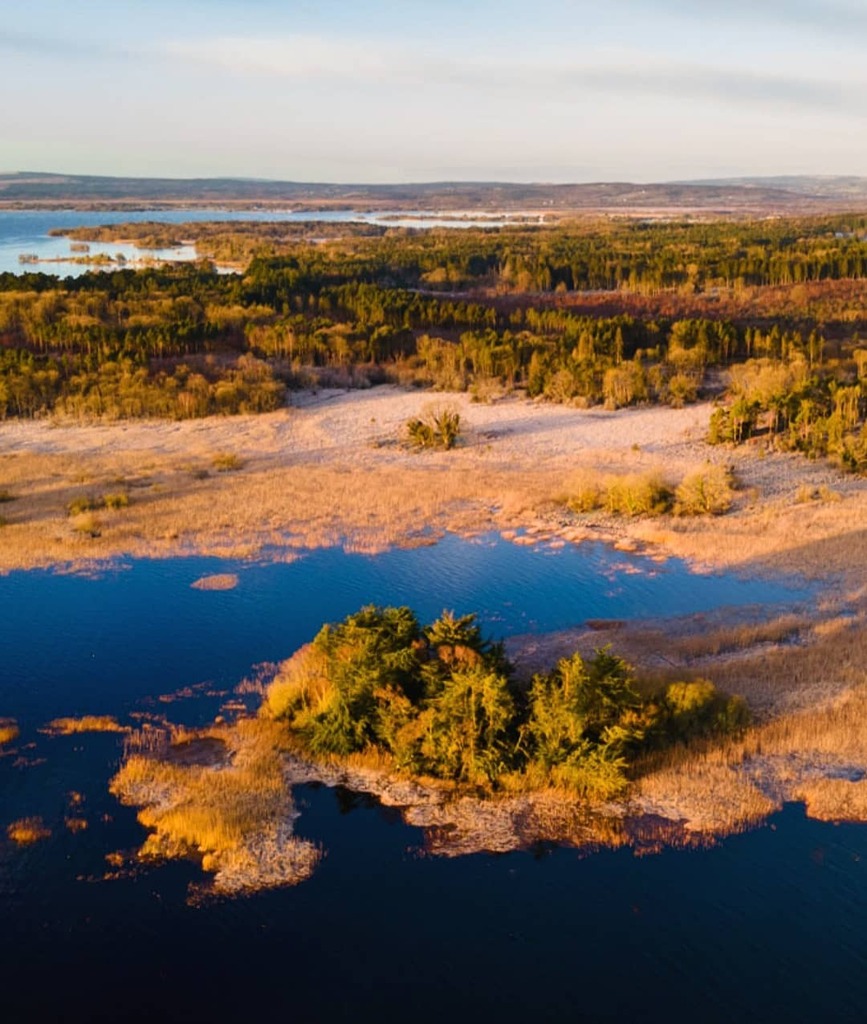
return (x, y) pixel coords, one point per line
(142, 630)
(766, 926)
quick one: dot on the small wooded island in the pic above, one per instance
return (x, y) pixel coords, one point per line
(443, 702)
(431, 719)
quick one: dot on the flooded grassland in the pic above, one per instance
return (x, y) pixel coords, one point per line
(333, 470)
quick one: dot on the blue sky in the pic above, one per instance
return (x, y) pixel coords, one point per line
(567, 90)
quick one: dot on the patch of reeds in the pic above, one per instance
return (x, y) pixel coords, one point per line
(86, 723)
(9, 731)
(743, 637)
(834, 799)
(25, 831)
(705, 491)
(632, 494)
(218, 581)
(235, 816)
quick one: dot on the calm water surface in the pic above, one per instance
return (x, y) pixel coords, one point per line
(26, 231)
(766, 926)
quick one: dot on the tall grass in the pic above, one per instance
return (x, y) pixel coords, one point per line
(235, 815)
(705, 491)
(628, 494)
(25, 831)
(8, 730)
(86, 723)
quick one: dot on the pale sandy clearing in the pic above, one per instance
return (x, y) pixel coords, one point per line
(333, 469)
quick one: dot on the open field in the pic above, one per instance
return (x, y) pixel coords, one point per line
(332, 469)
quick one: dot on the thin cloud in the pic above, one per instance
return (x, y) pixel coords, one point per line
(53, 47)
(830, 17)
(341, 62)
(298, 56)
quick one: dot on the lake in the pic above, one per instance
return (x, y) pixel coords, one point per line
(26, 231)
(764, 925)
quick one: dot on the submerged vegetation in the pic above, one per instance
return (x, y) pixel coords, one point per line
(8, 730)
(25, 831)
(86, 723)
(440, 701)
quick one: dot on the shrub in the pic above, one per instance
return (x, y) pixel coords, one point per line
(117, 500)
(87, 524)
(6, 496)
(695, 709)
(707, 491)
(682, 390)
(585, 493)
(438, 427)
(638, 495)
(85, 503)
(227, 462)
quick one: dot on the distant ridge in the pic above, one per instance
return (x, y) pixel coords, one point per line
(784, 193)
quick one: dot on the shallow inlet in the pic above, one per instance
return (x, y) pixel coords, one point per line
(26, 232)
(381, 931)
(140, 630)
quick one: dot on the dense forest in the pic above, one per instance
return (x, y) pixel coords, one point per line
(442, 701)
(599, 311)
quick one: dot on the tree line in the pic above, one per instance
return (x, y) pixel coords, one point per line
(188, 341)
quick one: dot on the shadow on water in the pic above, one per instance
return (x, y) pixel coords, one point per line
(765, 926)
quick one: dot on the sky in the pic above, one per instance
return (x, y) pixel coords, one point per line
(413, 90)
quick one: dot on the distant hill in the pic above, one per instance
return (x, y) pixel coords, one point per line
(736, 195)
(820, 186)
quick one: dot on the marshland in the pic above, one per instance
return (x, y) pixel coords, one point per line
(634, 452)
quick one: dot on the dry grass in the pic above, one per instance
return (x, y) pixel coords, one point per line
(219, 581)
(807, 675)
(28, 830)
(227, 462)
(835, 799)
(817, 753)
(814, 540)
(709, 797)
(741, 637)
(86, 723)
(313, 479)
(274, 506)
(9, 731)
(236, 815)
